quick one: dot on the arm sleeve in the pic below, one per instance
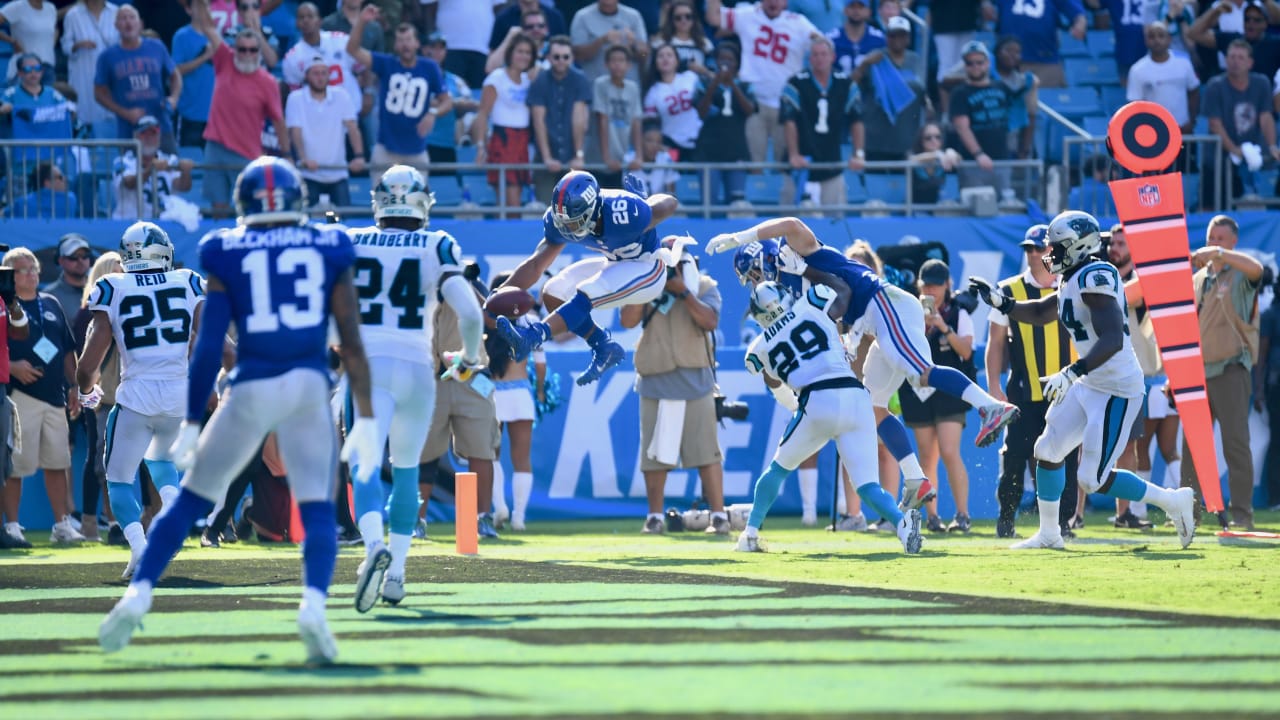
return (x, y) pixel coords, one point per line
(207, 357)
(458, 293)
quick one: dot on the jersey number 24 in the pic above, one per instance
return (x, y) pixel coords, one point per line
(405, 293)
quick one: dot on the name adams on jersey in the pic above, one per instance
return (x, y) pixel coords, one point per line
(802, 346)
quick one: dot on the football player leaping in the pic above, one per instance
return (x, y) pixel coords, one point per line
(281, 279)
(619, 224)
(400, 266)
(151, 311)
(1096, 398)
(800, 346)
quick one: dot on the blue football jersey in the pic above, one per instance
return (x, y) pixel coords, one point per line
(861, 279)
(623, 230)
(278, 281)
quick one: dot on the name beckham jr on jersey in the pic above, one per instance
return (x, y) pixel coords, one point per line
(278, 237)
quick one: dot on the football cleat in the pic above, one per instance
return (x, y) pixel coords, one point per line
(369, 577)
(750, 543)
(393, 590)
(517, 522)
(719, 525)
(484, 526)
(1040, 541)
(653, 526)
(809, 518)
(603, 357)
(916, 492)
(522, 339)
(314, 631)
(909, 532)
(118, 626)
(1182, 512)
(134, 557)
(995, 419)
(849, 523)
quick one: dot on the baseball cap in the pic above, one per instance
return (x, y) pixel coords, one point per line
(70, 243)
(146, 122)
(974, 46)
(860, 2)
(1037, 237)
(898, 24)
(317, 60)
(934, 272)
(436, 38)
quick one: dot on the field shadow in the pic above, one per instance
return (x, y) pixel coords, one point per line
(668, 561)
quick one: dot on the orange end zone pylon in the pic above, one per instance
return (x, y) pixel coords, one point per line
(1145, 139)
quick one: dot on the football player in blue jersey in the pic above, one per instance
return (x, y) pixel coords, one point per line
(618, 224)
(893, 315)
(280, 279)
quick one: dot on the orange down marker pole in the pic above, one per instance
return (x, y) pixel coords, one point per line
(467, 534)
(1145, 139)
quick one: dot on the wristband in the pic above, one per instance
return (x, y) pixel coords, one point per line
(746, 237)
(1078, 368)
(433, 111)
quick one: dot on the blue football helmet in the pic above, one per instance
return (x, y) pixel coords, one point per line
(146, 246)
(270, 190)
(575, 204)
(757, 262)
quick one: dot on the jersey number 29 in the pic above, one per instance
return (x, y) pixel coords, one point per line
(807, 340)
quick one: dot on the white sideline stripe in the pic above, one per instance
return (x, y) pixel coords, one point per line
(1140, 227)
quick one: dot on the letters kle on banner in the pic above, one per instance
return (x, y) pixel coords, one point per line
(1145, 139)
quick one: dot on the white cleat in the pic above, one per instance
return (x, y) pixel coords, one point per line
(916, 492)
(909, 532)
(64, 533)
(809, 518)
(750, 543)
(135, 556)
(118, 626)
(315, 634)
(393, 590)
(369, 577)
(1182, 511)
(1040, 541)
(500, 517)
(517, 523)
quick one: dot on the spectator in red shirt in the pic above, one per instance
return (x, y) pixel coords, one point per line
(12, 325)
(245, 97)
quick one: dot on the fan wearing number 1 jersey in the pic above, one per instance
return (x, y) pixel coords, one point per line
(281, 279)
(151, 311)
(400, 268)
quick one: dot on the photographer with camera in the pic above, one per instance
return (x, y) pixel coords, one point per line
(13, 325)
(675, 379)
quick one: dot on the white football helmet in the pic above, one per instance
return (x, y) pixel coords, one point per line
(402, 192)
(1073, 236)
(145, 246)
(769, 301)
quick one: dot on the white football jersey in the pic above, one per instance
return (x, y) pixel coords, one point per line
(397, 276)
(1120, 374)
(672, 104)
(151, 317)
(126, 199)
(343, 69)
(772, 50)
(803, 346)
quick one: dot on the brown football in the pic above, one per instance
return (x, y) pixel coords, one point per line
(510, 302)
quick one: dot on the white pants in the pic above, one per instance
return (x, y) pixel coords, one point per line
(404, 399)
(901, 351)
(1096, 422)
(840, 414)
(610, 283)
(295, 406)
(132, 437)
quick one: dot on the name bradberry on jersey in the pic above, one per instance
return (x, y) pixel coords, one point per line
(1120, 374)
(151, 317)
(624, 227)
(278, 281)
(772, 49)
(397, 275)
(803, 345)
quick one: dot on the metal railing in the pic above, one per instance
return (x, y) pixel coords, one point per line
(86, 164)
(1201, 153)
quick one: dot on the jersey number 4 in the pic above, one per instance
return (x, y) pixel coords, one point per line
(807, 340)
(405, 292)
(138, 315)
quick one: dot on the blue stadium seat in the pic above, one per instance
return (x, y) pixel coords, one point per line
(1096, 125)
(892, 189)
(986, 38)
(361, 187)
(1069, 46)
(764, 189)
(195, 154)
(1091, 71)
(1265, 182)
(1113, 98)
(1101, 43)
(477, 186)
(1074, 102)
(447, 190)
(1202, 125)
(689, 188)
(1190, 191)
(1055, 133)
(855, 193)
(950, 188)
(466, 154)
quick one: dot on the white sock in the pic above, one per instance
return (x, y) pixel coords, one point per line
(722, 515)
(312, 597)
(168, 494)
(399, 553)
(910, 466)
(1138, 507)
(977, 397)
(499, 490)
(1049, 518)
(1157, 496)
(1173, 474)
(808, 489)
(136, 536)
(752, 531)
(521, 489)
(370, 529)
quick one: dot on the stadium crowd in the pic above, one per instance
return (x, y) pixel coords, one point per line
(949, 90)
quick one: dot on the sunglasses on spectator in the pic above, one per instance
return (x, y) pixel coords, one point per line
(32, 68)
(682, 16)
(79, 257)
(933, 136)
(561, 56)
(254, 6)
(536, 26)
(979, 61)
(246, 50)
(26, 270)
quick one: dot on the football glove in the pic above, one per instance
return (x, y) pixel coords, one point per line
(789, 261)
(183, 450)
(1057, 384)
(362, 452)
(724, 242)
(459, 368)
(89, 400)
(990, 295)
(636, 184)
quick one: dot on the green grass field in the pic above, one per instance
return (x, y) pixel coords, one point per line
(593, 619)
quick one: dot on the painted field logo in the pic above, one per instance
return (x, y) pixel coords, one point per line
(1149, 195)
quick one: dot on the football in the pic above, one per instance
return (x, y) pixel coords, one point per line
(510, 302)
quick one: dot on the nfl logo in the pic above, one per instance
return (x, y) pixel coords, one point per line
(1149, 195)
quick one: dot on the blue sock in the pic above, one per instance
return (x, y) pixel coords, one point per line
(949, 380)
(1050, 483)
(766, 493)
(167, 534)
(163, 473)
(368, 497)
(404, 500)
(894, 435)
(1128, 486)
(124, 503)
(320, 548)
(576, 314)
(878, 499)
